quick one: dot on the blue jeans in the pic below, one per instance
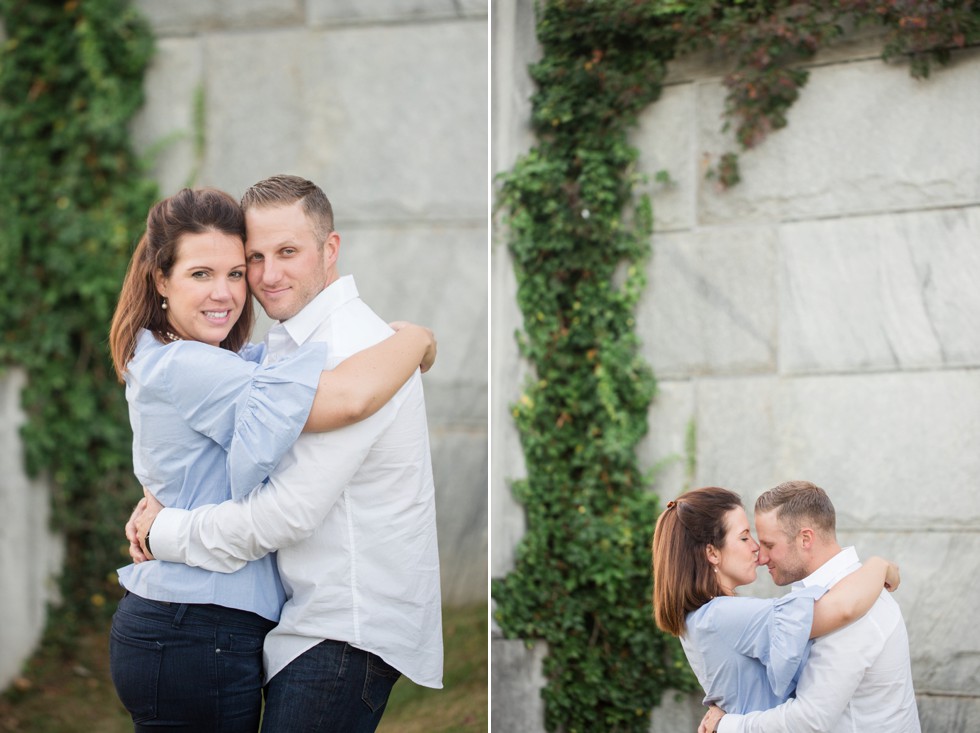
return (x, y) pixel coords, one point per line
(332, 687)
(187, 667)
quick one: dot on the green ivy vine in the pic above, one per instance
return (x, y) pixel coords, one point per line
(579, 237)
(74, 203)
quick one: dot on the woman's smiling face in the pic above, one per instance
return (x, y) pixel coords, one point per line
(206, 289)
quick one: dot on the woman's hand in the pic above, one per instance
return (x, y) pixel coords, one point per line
(892, 577)
(709, 723)
(429, 358)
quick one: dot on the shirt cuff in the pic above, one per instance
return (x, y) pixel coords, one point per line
(730, 723)
(164, 534)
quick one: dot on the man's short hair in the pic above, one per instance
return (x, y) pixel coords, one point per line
(798, 504)
(284, 190)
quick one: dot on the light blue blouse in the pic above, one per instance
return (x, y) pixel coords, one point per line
(210, 425)
(747, 652)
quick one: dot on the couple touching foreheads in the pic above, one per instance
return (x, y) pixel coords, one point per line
(831, 655)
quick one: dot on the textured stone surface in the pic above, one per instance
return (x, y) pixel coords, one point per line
(664, 449)
(515, 684)
(880, 292)
(944, 645)
(436, 276)
(164, 130)
(513, 47)
(940, 714)
(900, 444)
(856, 142)
(667, 138)
(343, 11)
(508, 373)
(390, 120)
(189, 17)
(30, 554)
(459, 467)
(710, 301)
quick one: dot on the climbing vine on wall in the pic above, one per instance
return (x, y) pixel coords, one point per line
(579, 237)
(74, 202)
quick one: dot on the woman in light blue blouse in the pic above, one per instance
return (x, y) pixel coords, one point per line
(210, 422)
(747, 653)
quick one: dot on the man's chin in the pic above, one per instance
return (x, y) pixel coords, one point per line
(276, 311)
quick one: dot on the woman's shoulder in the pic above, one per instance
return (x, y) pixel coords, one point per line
(724, 613)
(155, 359)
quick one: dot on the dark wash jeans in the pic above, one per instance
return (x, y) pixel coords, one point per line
(188, 667)
(333, 688)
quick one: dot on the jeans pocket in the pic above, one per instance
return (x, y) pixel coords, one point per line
(135, 668)
(379, 678)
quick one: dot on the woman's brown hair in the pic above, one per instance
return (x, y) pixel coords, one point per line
(139, 306)
(683, 580)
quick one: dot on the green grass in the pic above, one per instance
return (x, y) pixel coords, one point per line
(73, 693)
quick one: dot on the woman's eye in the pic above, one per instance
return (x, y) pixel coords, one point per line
(199, 275)
(237, 275)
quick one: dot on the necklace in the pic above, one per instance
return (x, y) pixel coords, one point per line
(171, 337)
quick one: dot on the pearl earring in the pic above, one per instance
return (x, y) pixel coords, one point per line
(164, 304)
(716, 571)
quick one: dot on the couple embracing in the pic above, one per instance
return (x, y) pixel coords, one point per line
(832, 655)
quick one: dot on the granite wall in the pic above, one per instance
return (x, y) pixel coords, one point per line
(817, 321)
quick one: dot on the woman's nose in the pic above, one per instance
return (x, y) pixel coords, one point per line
(221, 290)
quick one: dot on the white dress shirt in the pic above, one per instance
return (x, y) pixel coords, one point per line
(858, 679)
(352, 512)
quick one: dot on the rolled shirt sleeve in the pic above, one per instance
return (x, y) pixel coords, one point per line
(289, 507)
(254, 412)
(748, 652)
(778, 636)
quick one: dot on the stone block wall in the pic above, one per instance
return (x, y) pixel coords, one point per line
(30, 552)
(816, 321)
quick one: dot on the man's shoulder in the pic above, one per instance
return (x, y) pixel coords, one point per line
(352, 328)
(872, 629)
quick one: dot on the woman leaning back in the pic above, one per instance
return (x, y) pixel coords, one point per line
(209, 423)
(747, 653)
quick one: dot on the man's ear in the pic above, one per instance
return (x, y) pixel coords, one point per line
(806, 538)
(331, 249)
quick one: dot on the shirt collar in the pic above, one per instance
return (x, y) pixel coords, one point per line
(835, 568)
(302, 326)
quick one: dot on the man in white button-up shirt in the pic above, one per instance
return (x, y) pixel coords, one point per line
(352, 511)
(856, 679)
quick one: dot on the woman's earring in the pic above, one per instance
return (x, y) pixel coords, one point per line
(716, 571)
(164, 304)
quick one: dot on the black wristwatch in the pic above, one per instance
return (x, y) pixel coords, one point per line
(146, 543)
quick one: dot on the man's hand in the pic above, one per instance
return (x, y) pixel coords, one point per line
(135, 551)
(143, 520)
(709, 723)
(429, 357)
